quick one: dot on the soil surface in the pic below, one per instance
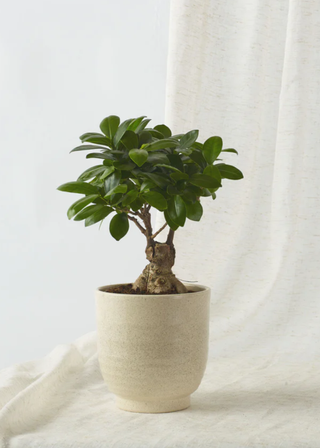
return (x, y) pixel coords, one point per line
(127, 289)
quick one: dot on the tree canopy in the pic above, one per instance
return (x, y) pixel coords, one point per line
(141, 167)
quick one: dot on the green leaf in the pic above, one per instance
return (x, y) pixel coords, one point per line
(188, 139)
(119, 226)
(99, 200)
(177, 136)
(230, 150)
(179, 176)
(198, 145)
(108, 162)
(117, 152)
(78, 187)
(91, 172)
(80, 204)
(202, 180)
(175, 160)
(137, 204)
(87, 212)
(120, 131)
(229, 171)
(112, 181)
(160, 181)
(156, 200)
(212, 170)
(129, 197)
(169, 221)
(130, 140)
(142, 125)
(122, 188)
(87, 134)
(155, 134)
(139, 156)
(172, 190)
(188, 196)
(194, 211)
(116, 199)
(191, 168)
(192, 192)
(157, 157)
(161, 144)
(98, 215)
(180, 208)
(185, 151)
(206, 192)
(135, 123)
(100, 155)
(177, 210)
(87, 148)
(97, 182)
(107, 171)
(146, 185)
(99, 139)
(169, 167)
(144, 138)
(165, 131)
(125, 165)
(197, 157)
(212, 148)
(110, 125)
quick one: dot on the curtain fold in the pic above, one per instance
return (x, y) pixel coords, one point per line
(249, 71)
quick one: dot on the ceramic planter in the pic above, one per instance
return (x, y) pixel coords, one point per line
(153, 349)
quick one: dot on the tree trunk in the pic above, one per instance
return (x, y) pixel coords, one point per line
(157, 277)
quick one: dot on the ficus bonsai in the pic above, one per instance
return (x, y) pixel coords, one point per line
(143, 167)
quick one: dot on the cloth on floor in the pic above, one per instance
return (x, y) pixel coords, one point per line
(61, 401)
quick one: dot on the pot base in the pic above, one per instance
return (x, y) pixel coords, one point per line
(153, 407)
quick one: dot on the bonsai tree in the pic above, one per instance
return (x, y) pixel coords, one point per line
(142, 167)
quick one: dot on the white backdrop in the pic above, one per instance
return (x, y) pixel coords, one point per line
(65, 65)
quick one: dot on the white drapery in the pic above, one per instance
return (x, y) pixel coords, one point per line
(249, 71)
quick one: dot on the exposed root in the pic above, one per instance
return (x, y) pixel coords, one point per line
(157, 277)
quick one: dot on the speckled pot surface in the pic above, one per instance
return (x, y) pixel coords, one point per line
(153, 349)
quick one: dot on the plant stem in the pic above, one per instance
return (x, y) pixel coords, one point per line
(158, 231)
(170, 237)
(146, 218)
(142, 229)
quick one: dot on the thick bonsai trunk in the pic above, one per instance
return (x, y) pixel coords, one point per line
(157, 277)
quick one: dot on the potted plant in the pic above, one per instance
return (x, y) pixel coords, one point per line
(153, 333)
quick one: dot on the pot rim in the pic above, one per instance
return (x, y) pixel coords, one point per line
(200, 289)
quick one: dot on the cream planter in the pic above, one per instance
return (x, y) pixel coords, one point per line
(153, 349)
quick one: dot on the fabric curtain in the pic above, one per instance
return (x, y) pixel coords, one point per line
(249, 71)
